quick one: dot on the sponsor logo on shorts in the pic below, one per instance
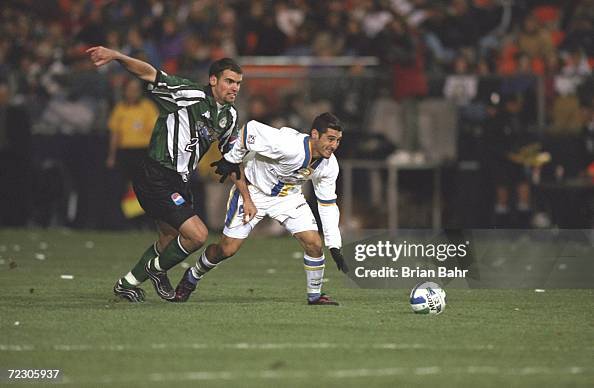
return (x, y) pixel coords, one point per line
(177, 199)
(301, 205)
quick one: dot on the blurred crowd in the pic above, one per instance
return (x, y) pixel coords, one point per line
(506, 66)
(42, 43)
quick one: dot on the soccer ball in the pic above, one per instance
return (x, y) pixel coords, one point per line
(427, 298)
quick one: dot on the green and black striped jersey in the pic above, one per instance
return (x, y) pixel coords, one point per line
(189, 122)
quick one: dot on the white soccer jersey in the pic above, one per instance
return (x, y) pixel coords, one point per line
(282, 162)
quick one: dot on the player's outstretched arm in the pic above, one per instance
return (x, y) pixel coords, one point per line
(101, 56)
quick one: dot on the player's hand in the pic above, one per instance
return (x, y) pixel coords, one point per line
(339, 260)
(249, 211)
(101, 55)
(224, 168)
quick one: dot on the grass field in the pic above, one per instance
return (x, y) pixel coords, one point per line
(249, 326)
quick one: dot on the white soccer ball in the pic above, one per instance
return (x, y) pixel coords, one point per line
(427, 298)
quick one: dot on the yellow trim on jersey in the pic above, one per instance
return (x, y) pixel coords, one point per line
(285, 190)
(231, 192)
(310, 152)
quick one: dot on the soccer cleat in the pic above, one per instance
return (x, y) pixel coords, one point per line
(185, 287)
(131, 294)
(161, 282)
(323, 300)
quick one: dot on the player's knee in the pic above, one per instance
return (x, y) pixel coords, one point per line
(313, 248)
(194, 239)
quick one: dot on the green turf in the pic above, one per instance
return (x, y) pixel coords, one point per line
(249, 325)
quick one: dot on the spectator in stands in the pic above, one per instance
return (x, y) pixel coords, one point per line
(139, 47)
(461, 87)
(505, 134)
(535, 42)
(130, 123)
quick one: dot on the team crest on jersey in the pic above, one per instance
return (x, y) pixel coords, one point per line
(251, 139)
(191, 146)
(223, 122)
(177, 199)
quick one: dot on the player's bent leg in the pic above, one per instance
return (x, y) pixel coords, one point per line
(166, 234)
(127, 286)
(208, 260)
(314, 264)
(192, 234)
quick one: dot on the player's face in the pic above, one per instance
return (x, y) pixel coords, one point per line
(226, 87)
(326, 143)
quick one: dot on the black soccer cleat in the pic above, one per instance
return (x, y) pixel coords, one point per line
(131, 294)
(161, 282)
(323, 300)
(185, 287)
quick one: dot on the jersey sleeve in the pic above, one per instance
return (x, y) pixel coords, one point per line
(172, 93)
(259, 138)
(325, 190)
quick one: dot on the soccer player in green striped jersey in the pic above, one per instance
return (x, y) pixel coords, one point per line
(191, 118)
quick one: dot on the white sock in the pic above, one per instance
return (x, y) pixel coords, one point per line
(131, 279)
(314, 272)
(156, 264)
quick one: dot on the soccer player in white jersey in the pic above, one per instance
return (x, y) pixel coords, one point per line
(277, 162)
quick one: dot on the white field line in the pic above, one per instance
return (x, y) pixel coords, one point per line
(334, 374)
(268, 346)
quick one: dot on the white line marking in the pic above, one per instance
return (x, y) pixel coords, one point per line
(336, 374)
(272, 346)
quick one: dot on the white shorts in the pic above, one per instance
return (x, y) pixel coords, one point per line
(292, 211)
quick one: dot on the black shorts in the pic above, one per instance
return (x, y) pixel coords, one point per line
(163, 194)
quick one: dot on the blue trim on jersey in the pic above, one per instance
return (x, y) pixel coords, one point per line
(277, 189)
(315, 164)
(307, 153)
(312, 263)
(232, 207)
(245, 136)
(326, 201)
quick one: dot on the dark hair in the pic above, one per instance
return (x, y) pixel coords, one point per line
(218, 67)
(326, 120)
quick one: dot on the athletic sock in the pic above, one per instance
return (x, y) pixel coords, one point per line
(314, 272)
(173, 254)
(203, 265)
(137, 275)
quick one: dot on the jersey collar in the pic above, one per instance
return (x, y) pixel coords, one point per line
(307, 150)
